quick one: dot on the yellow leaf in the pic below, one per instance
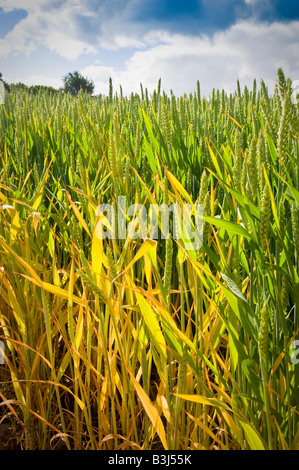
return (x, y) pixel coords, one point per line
(77, 399)
(36, 217)
(207, 430)
(78, 214)
(2, 197)
(281, 436)
(70, 302)
(152, 325)
(150, 259)
(254, 440)
(18, 313)
(177, 187)
(214, 159)
(79, 329)
(295, 442)
(236, 122)
(21, 261)
(98, 256)
(55, 290)
(233, 426)
(14, 217)
(37, 201)
(145, 248)
(150, 410)
(62, 293)
(42, 184)
(15, 224)
(56, 278)
(203, 400)
(163, 405)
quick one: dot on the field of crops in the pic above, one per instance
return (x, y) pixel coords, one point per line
(119, 343)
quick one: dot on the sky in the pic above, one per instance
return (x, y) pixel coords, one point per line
(140, 41)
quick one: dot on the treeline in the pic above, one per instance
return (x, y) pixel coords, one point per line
(34, 89)
(73, 82)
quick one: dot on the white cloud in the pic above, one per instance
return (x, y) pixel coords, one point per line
(245, 51)
(262, 3)
(29, 5)
(100, 74)
(71, 28)
(53, 27)
(39, 79)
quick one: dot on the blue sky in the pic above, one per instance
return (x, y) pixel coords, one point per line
(214, 41)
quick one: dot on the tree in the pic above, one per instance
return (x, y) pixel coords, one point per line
(74, 82)
(35, 89)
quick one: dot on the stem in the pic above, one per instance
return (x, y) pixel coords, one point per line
(264, 361)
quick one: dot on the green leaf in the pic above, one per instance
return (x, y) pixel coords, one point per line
(254, 439)
(231, 227)
(233, 287)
